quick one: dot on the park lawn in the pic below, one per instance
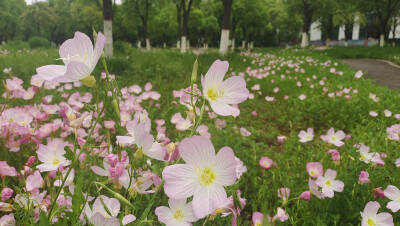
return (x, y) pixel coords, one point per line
(169, 70)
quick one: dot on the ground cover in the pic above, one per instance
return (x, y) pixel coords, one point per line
(290, 91)
(389, 53)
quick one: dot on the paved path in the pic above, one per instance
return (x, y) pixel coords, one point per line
(381, 72)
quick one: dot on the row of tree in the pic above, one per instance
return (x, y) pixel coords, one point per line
(183, 23)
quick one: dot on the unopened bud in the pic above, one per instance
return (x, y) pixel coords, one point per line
(194, 72)
(116, 108)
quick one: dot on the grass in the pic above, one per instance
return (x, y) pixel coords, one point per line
(169, 70)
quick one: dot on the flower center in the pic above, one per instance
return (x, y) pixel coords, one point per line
(212, 94)
(308, 137)
(266, 164)
(215, 93)
(313, 172)
(333, 138)
(56, 161)
(207, 176)
(370, 222)
(178, 215)
(328, 183)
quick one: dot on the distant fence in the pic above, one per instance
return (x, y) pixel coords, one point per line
(362, 42)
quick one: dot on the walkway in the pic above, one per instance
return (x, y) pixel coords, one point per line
(381, 72)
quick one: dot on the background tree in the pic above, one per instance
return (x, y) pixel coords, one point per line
(185, 7)
(226, 21)
(38, 19)
(347, 13)
(108, 19)
(385, 11)
(324, 14)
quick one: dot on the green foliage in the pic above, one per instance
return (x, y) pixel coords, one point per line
(36, 42)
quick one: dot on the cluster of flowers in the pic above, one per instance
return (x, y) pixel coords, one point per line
(84, 136)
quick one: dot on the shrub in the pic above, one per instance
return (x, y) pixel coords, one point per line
(36, 42)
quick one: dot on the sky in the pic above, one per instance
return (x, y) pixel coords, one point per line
(29, 2)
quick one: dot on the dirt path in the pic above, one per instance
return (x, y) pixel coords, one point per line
(381, 72)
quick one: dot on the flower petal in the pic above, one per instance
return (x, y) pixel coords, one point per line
(180, 181)
(197, 149)
(225, 165)
(235, 90)
(224, 109)
(206, 200)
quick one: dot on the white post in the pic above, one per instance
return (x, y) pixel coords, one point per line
(315, 33)
(108, 48)
(223, 47)
(139, 44)
(341, 32)
(243, 44)
(233, 44)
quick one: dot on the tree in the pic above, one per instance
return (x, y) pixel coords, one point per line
(142, 10)
(306, 8)
(185, 17)
(9, 20)
(324, 14)
(346, 16)
(385, 11)
(38, 19)
(226, 21)
(108, 18)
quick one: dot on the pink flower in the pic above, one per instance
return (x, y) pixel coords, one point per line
(280, 215)
(334, 138)
(254, 113)
(371, 217)
(6, 170)
(203, 176)
(221, 93)
(52, 155)
(257, 218)
(178, 213)
(6, 193)
(33, 182)
(31, 161)
(393, 132)
(305, 195)
(228, 207)
(378, 192)
(7, 219)
(244, 132)
(393, 193)
(387, 113)
(306, 136)
(283, 193)
(240, 168)
(302, 96)
(335, 154)
(363, 178)
(281, 139)
(266, 163)
(373, 113)
(329, 184)
(397, 162)
(220, 123)
(79, 58)
(315, 169)
(358, 74)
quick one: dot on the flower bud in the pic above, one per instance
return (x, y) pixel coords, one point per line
(6, 194)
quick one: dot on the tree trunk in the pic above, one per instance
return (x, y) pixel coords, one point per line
(108, 16)
(139, 44)
(243, 44)
(223, 47)
(183, 44)
(147, 44)
(382, 40)
(165, 45)
(233, 44)
(178, 44)
(185, 14)
(304, 39)
(328, 40)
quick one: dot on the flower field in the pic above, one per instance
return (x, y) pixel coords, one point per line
(269, 137)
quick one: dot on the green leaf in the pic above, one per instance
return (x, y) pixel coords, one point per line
(77, 198)
(43, 221)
